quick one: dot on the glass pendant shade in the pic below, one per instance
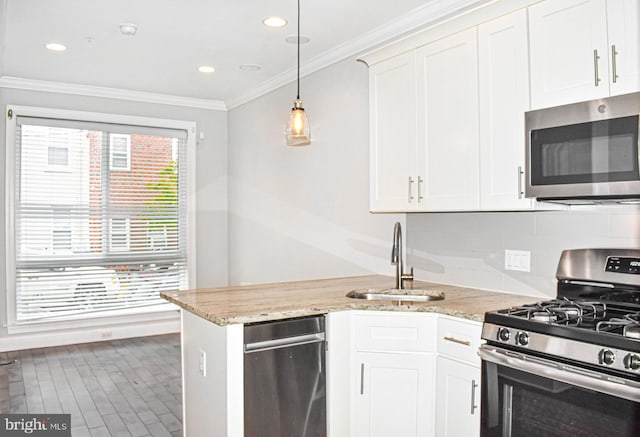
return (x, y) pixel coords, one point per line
(298, 132)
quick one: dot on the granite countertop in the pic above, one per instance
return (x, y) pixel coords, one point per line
(263, 302)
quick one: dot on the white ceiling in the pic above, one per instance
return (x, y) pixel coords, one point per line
(176, 36)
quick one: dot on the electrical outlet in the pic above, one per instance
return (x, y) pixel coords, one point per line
(203, 363)
(518, 260)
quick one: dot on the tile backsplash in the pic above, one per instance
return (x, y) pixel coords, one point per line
(468, 249)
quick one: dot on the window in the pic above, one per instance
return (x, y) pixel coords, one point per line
(90, 241)
(58, 156)
(120, 234)
(61, 231)
(120, 152)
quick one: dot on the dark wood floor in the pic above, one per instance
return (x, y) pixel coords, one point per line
(114, 388)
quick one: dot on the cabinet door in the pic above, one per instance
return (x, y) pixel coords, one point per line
(568, 42)
(392, 124)
(458, 394)
(448, 122)
(504, 98)
(395, 395)
(623, 18)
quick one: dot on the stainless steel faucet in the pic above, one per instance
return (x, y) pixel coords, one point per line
(396, 258)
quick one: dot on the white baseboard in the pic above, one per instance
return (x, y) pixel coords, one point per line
(34, 340)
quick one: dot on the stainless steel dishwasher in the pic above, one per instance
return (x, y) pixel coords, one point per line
(284, 378)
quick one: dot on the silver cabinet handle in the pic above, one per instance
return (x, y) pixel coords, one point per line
(596, 58)
(614, 63)
(410, 194)
(520, 192)
(474, 385)
(420, 181)
(455, 340)
(361, 378)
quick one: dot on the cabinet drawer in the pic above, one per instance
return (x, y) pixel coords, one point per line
(459, 338)
(405, 332)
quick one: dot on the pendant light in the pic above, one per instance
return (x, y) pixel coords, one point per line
(298, 133)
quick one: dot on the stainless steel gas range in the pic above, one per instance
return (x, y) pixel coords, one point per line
(569, 366)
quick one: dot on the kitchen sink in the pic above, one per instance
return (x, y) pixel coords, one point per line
(394, 294)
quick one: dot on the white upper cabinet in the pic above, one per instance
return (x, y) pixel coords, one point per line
(504, 98)
(582, 50)
(623, 17)
(447, 72)
(447, 104)
(392, 130)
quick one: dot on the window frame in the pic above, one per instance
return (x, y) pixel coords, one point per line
(14, 327)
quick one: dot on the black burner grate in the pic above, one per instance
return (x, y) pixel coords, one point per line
(562, 312)
(627, 325)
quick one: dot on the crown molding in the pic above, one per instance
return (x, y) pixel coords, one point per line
(111, 93)
(427, 15)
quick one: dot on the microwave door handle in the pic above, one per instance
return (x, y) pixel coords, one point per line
(614, 64)
(589, 379)
(596, 71)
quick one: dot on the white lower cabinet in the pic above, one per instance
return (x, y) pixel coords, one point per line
(395, 397)
(457, 377)
(414, 374)
(457, 398)
(392, 371)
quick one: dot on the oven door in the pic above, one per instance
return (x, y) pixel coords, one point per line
(528, 396)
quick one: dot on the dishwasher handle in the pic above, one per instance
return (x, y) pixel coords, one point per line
(279, 343)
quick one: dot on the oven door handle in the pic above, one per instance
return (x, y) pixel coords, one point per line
(589, 379)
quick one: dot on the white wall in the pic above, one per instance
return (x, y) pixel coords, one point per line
(211, 178)
(468, 248)
(302, 213)
(3, 19)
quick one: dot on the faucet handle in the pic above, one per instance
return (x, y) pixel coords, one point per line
(408, 276)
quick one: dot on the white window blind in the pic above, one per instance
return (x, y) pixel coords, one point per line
(93, 239)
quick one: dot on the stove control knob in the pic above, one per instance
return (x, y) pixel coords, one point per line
(606, 357)
(522, 338)
(504, 334)
(632, 362)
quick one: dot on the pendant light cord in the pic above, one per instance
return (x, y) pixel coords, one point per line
(298, 94)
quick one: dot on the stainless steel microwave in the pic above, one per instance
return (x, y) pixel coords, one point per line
(584, 152)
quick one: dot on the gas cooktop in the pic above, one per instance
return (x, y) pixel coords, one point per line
(594, 319)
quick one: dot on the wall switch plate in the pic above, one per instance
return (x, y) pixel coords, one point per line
(203, 363)
(518, 260)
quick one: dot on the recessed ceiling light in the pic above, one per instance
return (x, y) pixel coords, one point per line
(250, 67)
(206, 69)
(294, 39)
(56, 47)
(274, 22)
(128, 29)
